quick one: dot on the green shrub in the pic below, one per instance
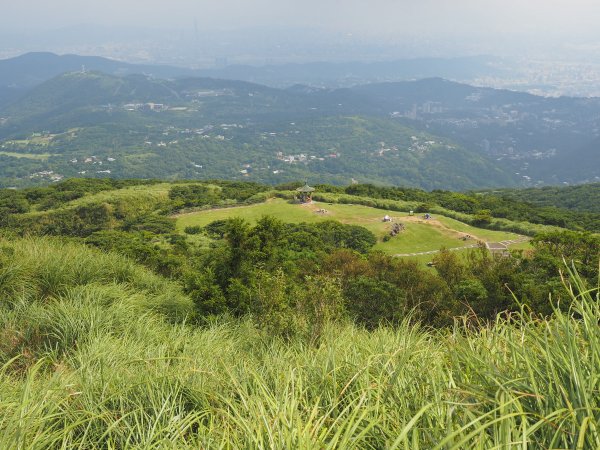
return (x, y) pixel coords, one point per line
(150, 222)
(194, 229)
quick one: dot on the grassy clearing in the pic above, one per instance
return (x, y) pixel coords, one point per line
(419, 235)
(34, 156)
(140, 194)
(481, 233)
(504, 225)
(522, 246)
(33, 140)
(86, 361)
(147, 193)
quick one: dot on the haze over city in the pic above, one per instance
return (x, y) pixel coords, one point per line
(377, 17)
(394, 28)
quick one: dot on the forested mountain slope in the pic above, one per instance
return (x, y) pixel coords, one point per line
(390, 133)
(585, 197)
(136, 126)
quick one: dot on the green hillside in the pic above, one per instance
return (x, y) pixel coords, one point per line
(217, 238)
(220, 314)
(196, 263)
(365, 149)
(583, 198)
(431, 133)
(99, 125)
(418, 235)
(96, 350)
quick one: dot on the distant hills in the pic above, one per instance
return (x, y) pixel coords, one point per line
(21, 73)
(34, 68)
(349, 74)
(582, 198)
(26, 71)
(430, 133)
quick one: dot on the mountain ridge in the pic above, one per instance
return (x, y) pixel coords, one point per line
(516, 138)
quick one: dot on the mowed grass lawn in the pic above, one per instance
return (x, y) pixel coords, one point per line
(419, 235)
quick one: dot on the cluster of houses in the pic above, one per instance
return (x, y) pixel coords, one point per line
(196, 94)
(156, 107)
(47, 174)
(302, 157)
(419, 146)
(383, 149)
(416, 146)
(83, 172)
(91, 160)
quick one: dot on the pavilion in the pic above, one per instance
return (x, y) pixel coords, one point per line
(305, 193)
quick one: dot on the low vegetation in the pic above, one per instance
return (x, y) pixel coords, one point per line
(220, 260)
(108, 357)
(151, 315)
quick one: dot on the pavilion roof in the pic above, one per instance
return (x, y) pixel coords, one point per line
(305, 188)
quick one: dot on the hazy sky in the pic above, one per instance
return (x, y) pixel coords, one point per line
(302, 30)
(377, 17)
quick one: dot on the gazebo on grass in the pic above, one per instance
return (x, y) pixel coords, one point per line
(305, 193)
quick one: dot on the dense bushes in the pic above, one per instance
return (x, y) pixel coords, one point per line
(151, 223)
(583, 198)
(139, 247)
(194, 195)
(80, 221)
(12, 202)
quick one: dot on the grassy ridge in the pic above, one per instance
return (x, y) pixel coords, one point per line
(95, 352)
(36, 270)
(499, 224)
(418, 236)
